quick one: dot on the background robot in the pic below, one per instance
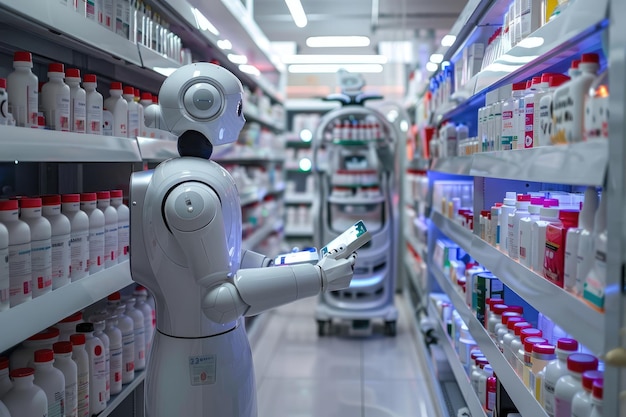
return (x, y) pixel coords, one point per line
(186, 240)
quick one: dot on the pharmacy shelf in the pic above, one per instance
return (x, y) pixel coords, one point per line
(299, 198)
(463, 381)
(356, 200)
(155, 61)
(460, 235)
(571, 313)
(127, 390)
(35, 315)
(259, 235)
(459, 165)
(38, 145)
(157, 150)
(417, 278)
(521, 396)
(252, 114)
(583, 163)
(419, 247)
(292, 231)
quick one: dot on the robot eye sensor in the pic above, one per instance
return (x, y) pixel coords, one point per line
(203, 99)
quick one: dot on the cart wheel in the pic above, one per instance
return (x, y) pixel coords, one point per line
(390, 328)
(323, 328)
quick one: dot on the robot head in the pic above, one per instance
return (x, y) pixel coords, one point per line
(201, 103)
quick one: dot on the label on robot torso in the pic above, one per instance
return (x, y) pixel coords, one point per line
(202, 369)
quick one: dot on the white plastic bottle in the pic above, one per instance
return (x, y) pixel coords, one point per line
(569, 102)
(596, 399)
(555, 370)
(595, 281)
(88, 204)
(4, 411)
(79, 240)
(525, 238)
(94, 105)
(585, 255)
(55, 98)
(508, 207)
(569, 384)
(40, 243)
(19, 253)
(548, 214)
(60, 239)
(118, 107)
(572, 242)
(81, 358)
(494, 229)
(141, 294)
(126, 326)
(529, 109)
(581, 403)
(23, 89)
(544, 115)
(24, 354)
(141, 131)
(5, 381)
(67, 326)
(521, 210)
(115, 351)
(64, 363)
(51, 381)
(123, 225)
(99, 325)
(25, 398)
(78, 101)
(97, 368)
(515, 328)
(5, 116)
(110, 228)
(152, 114)
(139, 332)
(133, 111)
(5, 282)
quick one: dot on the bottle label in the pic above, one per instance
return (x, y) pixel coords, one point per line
(123, 236)
(529, 123)
(96, 248)
(110, 243)
(90, 9)
(71, 399)
(133, 123)
(107, 123)
(83, 392)
(548, 393)
(61, 115)
(4, 278)
(545, 123)
(20, 270)
(79, 246)
(33, 107)
(554, 257)
(41, 266)
(56, 407)
(508, 128)
(116, 367)
(563, 111)
(128, 355)
(79, 109)
(562, 407)
(61, 258)
(94, 119)
(595, 283)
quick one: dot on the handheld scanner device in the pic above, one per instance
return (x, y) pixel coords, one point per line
(309, 256)
(350, 240)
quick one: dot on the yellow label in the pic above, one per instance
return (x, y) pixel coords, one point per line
(549, 7)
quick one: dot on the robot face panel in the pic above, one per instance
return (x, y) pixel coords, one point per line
(205, 98)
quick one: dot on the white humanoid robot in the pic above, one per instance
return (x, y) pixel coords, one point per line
(186, 249)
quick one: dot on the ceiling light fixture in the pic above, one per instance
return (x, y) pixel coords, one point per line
(448, 40)
(335, 59)
(337, 41)
(297, 12)
(436, 58)
(204, 23)
(431, 67)
(333, 68)
(224, 44)
(250, 69)
(237, 59)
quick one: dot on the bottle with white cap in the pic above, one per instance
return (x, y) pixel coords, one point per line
(118, 108)
(40, 243)
(97, 368)
(508, 207)
(51, 381)
(5, 283)
(24, 354)
(123, 225)
(89, 204)
(79, 236)
(127, 327)
(25, 398)
(94, 105)
(60, 240)
(78, 101)
(581, 403)
(115, 352)
(5, 381)
(55, 99)
(64, 363)
(67, 326)
(81, 358)
(133, 111)
(569, 384)
(548, 214)
(23, 88)
(555, 370)
(110, 228)
(20, 273)
(99, 325)
(141, 294)
(139, 332)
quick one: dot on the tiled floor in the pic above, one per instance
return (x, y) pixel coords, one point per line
(302, 375)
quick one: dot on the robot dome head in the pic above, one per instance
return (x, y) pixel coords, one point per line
(203, 98)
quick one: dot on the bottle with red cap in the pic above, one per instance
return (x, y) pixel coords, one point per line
(81, 358)
(544, 116)
(554, 261)
(79, 236)
(78, 101)
(555, 369)
(20, 273)
(569, 384)
(517, 347)
(94, 104)
(60, 240)
(597, 400)
(89, 204)
(23, 355)
(67, 326)
(581, 403)
(569, 102)
(521, 211)
(542, 354)
(527, 361)
(133, 111)
(123, 225)
(23, 90)
(99, 326)
(40, 243)
(117, 107)
(5, 381)
(152, 114)
(25, 398)
(51, 381)
(548, 214)
(64, 363)
(110, 228)
(97, 368)
(55, 99)
(533, 88)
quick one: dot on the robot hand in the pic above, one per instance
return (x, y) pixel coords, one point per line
(336, 273)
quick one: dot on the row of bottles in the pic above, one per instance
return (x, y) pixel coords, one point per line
(74, 368)
(47, 242)
(356, 130)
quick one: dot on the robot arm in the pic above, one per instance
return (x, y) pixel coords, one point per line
(251, 259)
